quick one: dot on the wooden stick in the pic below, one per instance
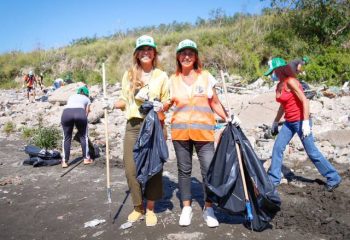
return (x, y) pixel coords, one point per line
(106, 134)
(236, 144)
(242, 172)
(225, 92)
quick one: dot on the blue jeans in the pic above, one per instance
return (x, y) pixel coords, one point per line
(285, 135)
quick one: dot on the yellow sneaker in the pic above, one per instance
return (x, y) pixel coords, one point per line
(135, 216)
(151, 218)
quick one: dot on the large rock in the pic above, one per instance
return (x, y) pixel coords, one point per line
(257, 84)
(259, 110)
(96, 112)
(327, 103)
(345, 101)
(338, 138)
(315, 107)
(62, 94)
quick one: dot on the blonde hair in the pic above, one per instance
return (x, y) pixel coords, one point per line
(134, 74)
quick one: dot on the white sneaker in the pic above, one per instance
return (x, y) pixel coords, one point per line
(209, 217)
(186, 216)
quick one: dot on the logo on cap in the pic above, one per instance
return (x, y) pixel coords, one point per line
(145, 41)
(187, 43)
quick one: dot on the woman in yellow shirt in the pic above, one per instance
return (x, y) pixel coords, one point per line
(144, 81)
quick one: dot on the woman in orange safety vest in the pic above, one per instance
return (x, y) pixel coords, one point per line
(193, 94)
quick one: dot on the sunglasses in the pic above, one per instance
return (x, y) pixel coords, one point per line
(188, 53)
(145, 48)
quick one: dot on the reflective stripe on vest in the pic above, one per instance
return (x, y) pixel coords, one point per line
(192, 125)
(193, 118)
(195, 108)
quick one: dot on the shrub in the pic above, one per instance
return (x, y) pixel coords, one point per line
(281, 39)
(87, 76)
(9, 84)
(84, 40)
(331, 67)
(94, 78)
(27, 133)
(318, 74)
(9, 127)
(46, 137)
(7, 74)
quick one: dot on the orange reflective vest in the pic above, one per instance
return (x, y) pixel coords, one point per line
(29, 80)
(193, 118)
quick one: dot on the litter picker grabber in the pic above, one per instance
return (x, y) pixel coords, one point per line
(76, 165)
(107, 143)
(247, 201)
(127, 193)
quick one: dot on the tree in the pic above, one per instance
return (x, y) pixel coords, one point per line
(323, 21)
(217, 16)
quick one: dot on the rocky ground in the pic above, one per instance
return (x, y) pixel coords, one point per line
(40, 203)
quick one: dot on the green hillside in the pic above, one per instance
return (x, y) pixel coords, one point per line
(239, 44)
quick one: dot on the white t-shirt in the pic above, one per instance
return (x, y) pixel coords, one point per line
(78, 101)
(59, 80)
(211, 83)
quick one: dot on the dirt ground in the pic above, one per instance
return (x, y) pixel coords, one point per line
(37, 203)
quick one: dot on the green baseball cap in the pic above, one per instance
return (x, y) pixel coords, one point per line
(187, 43)
(306, 59)
(275, 63)
(145, 40)
(83, 90)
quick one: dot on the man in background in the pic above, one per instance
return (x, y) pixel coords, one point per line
(58, 83)
(30, 82)
(297, 65)
(40, 81)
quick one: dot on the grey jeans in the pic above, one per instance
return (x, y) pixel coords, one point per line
(184, 151)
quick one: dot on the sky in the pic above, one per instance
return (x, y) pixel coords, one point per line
(31, 24)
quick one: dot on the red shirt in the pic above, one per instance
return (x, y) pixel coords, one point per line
(29, 80)
(293, 107)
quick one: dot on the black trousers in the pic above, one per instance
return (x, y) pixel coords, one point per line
(74, 117)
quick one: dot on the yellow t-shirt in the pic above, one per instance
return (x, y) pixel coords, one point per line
(158, 86)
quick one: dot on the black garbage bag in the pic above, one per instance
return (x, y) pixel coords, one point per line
(39, 162)
(225, 185)
(150, 150)
(31, 161)
(94, 150)
(40, 157)
(34, 151)
(309, 94)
